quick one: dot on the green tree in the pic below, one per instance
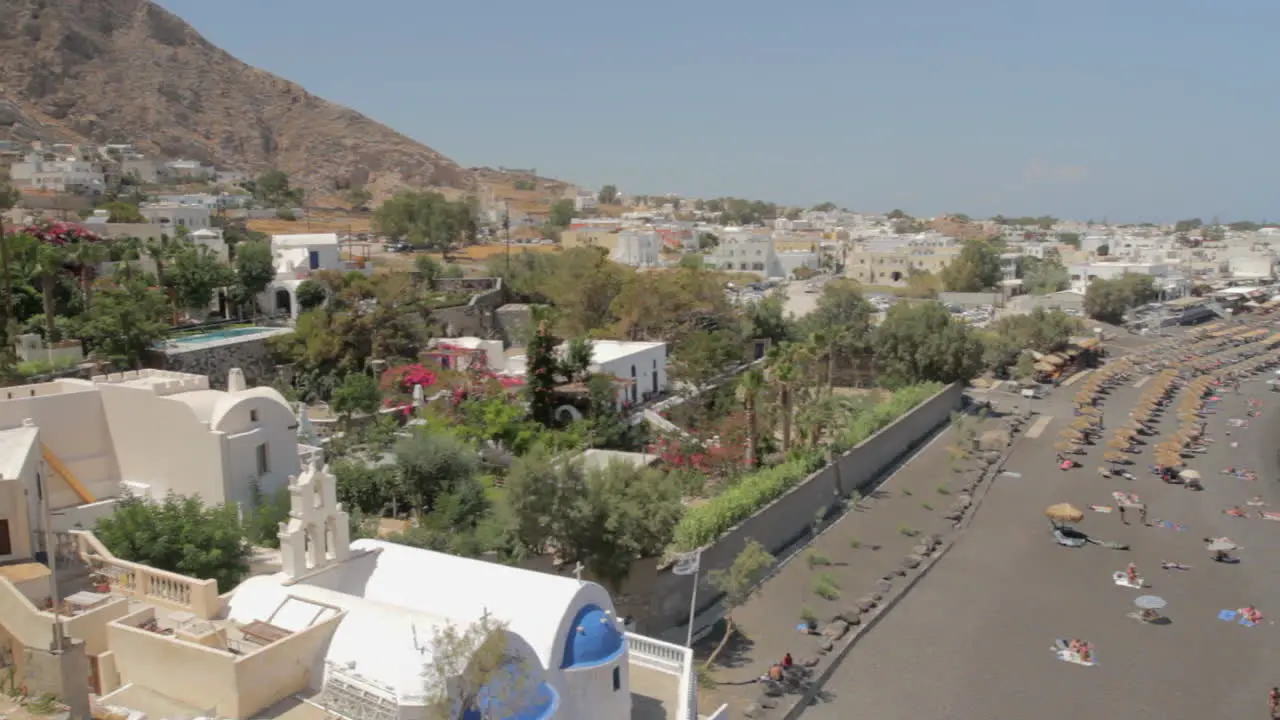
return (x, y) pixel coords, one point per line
(1069, 238)
(921, 342)
(561, 213)
(126, 321)
(310, 294)
(608, 195)
(9, 197)
(737, 584)
(273, 189)
(181, 535)
(357, 197)
(474, 672)
(1044, 276)
(767, 319)
(1108, 300)
(194, 274)
(975, 269)
(1188, 225)
(262, 524)
(542, 376)
(693, 261)
(824, 207)
(425, 219)
(254, 271)
(1104, 250)
(1025, 368)
(358, 393)
(606, 519)
(435, 464)
(119, 211)
(578, 357)
(750, 385)
(844, 316)
(429, 269)
(707, 241)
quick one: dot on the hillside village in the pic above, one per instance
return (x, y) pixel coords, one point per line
(323, 425)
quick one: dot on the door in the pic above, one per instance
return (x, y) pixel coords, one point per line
(314, 257)
(6, 545)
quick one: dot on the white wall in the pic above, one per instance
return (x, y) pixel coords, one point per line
(73, 424)
(161, 443)
(644, 360)
(273, 427)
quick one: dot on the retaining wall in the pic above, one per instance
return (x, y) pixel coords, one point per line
(658, 600)
(475, 319)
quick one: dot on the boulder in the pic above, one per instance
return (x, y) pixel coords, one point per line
(865, 603)
(921, 549)
(826, 644)
(809, 662)
(752, 710)
(934, 540)
(835, 629)
(911, 562)
(953, 515)
(883, 586)
(964, 501)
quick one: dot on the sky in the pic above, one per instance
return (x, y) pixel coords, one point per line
(1131, 111)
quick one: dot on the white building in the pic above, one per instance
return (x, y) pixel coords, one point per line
(584, 201)
(638, 248)
(640, 366)
(1082, 275)
(212, 239)
(67, 174)
(296, 258)
(190, 170)
(173, 215)
(746, 251)
(147, 432)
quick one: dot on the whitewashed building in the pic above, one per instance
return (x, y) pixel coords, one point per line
(638, 248)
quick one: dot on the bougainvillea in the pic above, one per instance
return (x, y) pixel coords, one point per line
(405, 377)
(718, 451)
(60, 234)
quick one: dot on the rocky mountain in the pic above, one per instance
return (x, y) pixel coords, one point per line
(130, 71)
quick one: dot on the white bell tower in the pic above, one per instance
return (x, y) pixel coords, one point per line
(317, 534)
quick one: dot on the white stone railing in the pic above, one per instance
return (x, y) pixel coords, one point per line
(670, 659)
(147, 584)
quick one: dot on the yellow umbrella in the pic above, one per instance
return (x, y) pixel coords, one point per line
(1114, 457)
(1064, 513)
(1065, 446)
(1118, 444)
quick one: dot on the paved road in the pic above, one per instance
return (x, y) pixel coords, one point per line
(972, 639)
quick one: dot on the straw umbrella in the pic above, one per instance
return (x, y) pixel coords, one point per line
(1064, 513)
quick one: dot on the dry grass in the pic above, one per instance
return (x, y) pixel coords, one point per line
(318, 222)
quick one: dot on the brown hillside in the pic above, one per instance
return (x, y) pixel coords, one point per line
(130, 71)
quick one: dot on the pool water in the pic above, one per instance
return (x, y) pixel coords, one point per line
(216, 335)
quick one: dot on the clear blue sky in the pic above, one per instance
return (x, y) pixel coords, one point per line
(1125, 109)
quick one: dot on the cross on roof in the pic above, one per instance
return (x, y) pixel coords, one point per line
(577, 572)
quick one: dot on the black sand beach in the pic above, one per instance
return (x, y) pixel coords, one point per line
(972, 639)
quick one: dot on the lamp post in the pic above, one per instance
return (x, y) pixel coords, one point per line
(506, 230)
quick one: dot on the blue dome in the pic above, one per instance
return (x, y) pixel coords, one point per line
(497, 701)
(593, 639)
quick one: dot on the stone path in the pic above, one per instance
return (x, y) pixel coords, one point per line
(842, 572)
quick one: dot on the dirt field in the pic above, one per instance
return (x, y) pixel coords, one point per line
(319, 222)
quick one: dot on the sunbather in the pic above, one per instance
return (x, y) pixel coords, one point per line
(1251, 614)
(1167, 565)
(1236, 512)
(1131, 574)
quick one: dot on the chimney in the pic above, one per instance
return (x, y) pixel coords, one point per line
(235, 381)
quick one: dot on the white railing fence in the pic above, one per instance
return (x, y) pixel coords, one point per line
(671, 659)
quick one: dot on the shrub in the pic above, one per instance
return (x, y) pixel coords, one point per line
(826, 587)
(704, 523)
(908, 531)
(926, 506)
(855, 543)
(943, 490)
(808, 617)
(816, 559)
(907, 493)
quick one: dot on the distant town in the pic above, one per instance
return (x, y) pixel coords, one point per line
(248, 428)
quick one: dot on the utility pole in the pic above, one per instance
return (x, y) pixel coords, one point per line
(506, 229)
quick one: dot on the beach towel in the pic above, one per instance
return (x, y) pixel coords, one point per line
(1246, 623)
(1261, 503)
(1067, 465)
(1228, 615)
(1169, 525)
(1061, 648)
(1268, 515)
(1121, 579)
(1108, 508)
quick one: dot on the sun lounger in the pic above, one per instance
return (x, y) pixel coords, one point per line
(1121, 579)
(1065, 541)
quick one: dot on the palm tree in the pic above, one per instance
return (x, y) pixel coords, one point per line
(158, 250)
(87, 255)
(50, 260)
(784, 370)
(749, 387)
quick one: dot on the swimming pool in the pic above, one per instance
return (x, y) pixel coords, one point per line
(216, 335)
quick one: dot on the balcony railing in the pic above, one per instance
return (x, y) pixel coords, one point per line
(147, 584)
(673, 660)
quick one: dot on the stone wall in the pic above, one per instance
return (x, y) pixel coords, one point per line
(252, 355)
(659, 600)
(514, 323)
(475, 319)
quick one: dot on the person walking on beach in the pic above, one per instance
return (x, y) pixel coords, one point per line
(1273, 702)
(1142, 513)
(1123, 519)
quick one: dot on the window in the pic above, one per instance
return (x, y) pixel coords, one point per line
(262, 459)
(617, 678)
(253, 416)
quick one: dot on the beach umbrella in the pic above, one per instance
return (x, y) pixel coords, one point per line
(1064, 513)
(1220, 546)
(1114, 457)
(1118, 444)
(1189, 475)
(1064, 446)
(1150, 602)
